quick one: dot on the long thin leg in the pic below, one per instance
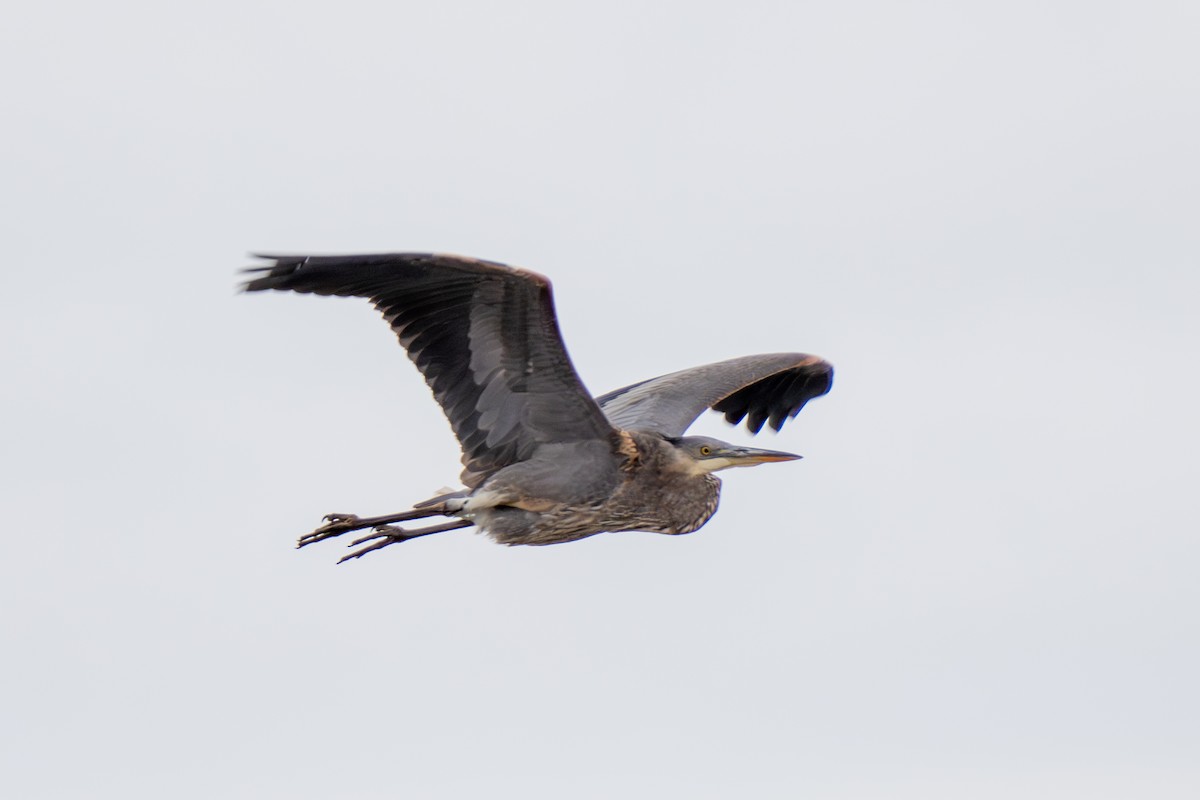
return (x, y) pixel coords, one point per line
(389, 534)
(337, 524)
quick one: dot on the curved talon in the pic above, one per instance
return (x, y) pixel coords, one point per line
(387, 534)
(335, 525)
(365, 550)
(381, 532)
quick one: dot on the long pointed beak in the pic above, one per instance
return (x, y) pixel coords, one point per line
(749, 456)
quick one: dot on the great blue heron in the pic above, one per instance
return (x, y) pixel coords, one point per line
(544, 461)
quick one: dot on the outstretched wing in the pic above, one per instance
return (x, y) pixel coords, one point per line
(767, 388)
(485, 337)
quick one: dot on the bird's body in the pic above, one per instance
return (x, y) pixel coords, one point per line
(544, 461)
(601, 489)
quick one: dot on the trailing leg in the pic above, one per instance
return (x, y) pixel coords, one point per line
(389, 534)
(337, 524)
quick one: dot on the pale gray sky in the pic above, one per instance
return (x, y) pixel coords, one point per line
(980, 582)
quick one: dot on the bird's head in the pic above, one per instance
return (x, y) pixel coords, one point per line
(706, 454)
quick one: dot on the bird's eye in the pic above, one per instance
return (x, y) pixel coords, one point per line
(706, 450)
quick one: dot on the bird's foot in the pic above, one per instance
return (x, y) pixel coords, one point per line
(385, 534)
(335, 525)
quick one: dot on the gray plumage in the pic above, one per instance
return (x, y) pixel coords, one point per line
(544, 462)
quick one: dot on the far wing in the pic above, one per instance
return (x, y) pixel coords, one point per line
(485, 337)
(764, 388)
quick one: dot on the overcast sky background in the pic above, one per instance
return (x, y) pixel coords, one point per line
(981, 581)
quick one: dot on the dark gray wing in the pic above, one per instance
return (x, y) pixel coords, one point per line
(485, 337)
(767, 388)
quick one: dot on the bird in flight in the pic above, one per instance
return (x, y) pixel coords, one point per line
(544, 462)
